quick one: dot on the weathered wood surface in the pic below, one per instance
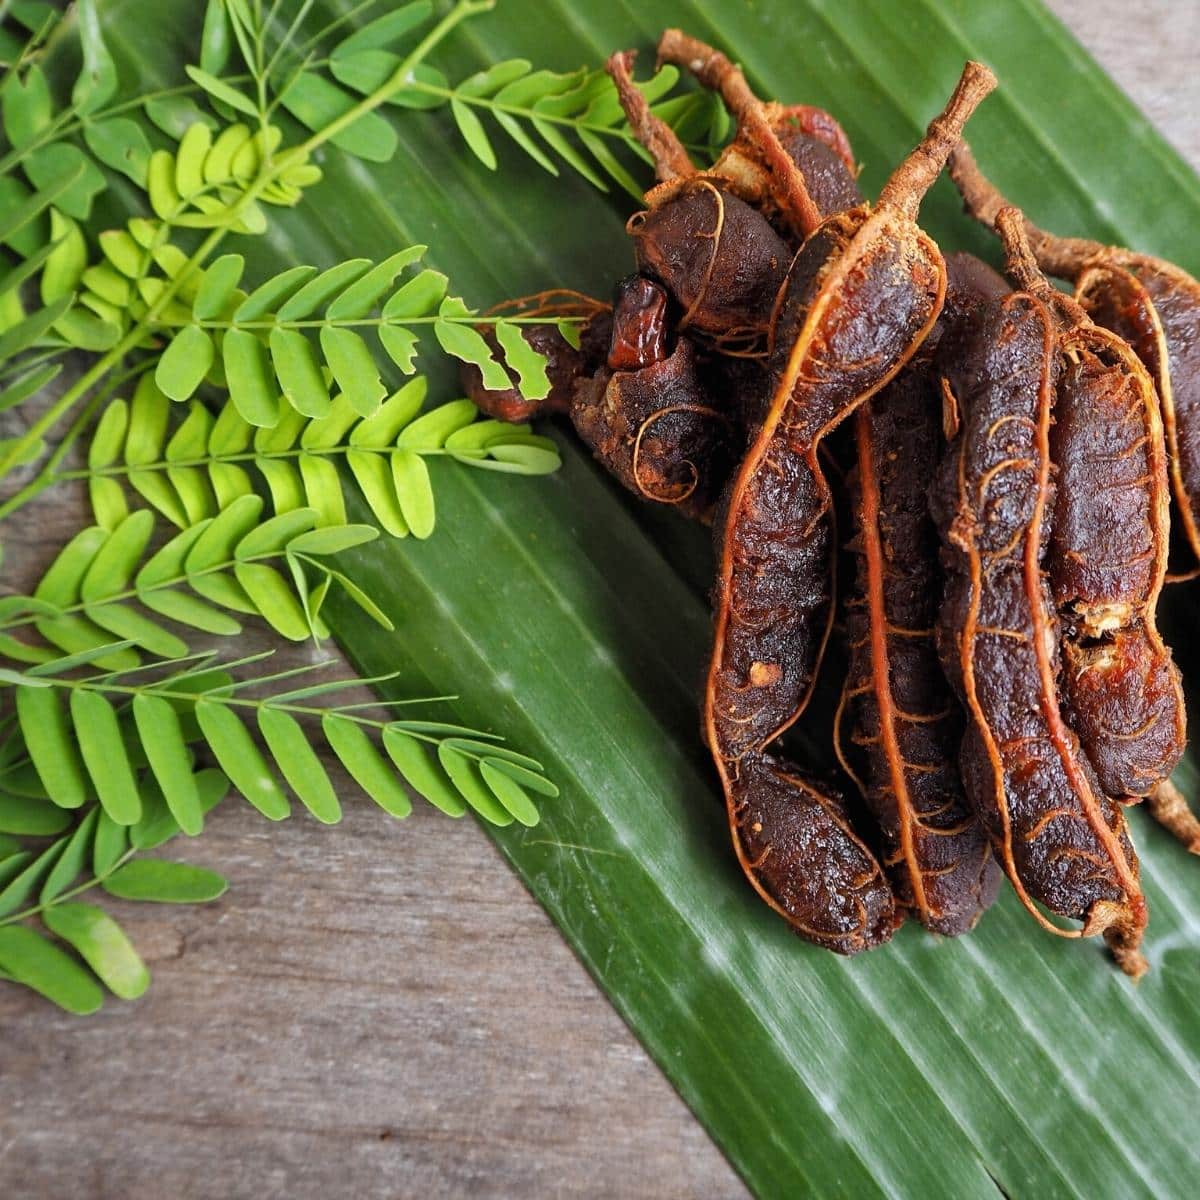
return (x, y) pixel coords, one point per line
(382, 1010)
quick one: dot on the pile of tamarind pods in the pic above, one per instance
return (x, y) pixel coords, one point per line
(1018, 454)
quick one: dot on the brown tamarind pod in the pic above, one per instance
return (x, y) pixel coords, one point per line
(655, 417)
(566, 364)
(1060, 839)
(639, 397)
(906, 721)
(1108, 558)
(706, 235)
(1151, 303)
(1111, 527)
(861, 295)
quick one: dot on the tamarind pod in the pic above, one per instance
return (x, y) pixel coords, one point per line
(653, 415)
(1061, 841)
(656, 419)
(793, 837)
(816, 125)
(1150, 302)
(939, 857)
(717, 255)
(566, 364)
(1155, 307)
(861, 295)
(818, 146)
(706, 235)
(1108, 558)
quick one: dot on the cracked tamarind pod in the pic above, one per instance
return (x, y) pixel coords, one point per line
(907, 723)
(1111, 524)
(707, 235)
(1061, 841)
(654, 415)
(1153, 304)
(861, 295)
(641, 399)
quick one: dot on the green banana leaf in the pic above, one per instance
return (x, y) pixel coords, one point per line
(575, 621)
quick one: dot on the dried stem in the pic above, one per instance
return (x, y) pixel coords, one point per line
(915, 175)
(671, 160)
(715, 71)
(1061, 256)
(1169, 807)
(1022, 267)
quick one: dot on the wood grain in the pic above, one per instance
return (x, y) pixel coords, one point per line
(381, 1010)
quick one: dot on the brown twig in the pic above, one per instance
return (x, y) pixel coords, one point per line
(915, 175)
(671, 160)
(715, 71)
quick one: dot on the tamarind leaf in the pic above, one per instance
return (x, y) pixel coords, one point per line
(217, 287)
(120, 143)
(26, 106)
(32, 960)
(299, 372)
(28, 385)
(471, 127)
(98, 79)
(105, 756)
(251, 380)
(240, 759)
(273, 600)
(366, 765)
(385, 30)
(162, 737)
(102, 944)
(413, 762)
(320, 290)
(414, 492)
(316, 102)
(157, 824)
(419, 296)
(509, 792)
(430, 430)
(322, 489)
(173, 114)
(215, 38)
(353, 367)
(299, 764)
(273, 535)
(521, 357)
(467, 345)
(51, 745)
(185, 362)
(218, 89)
(67, 259)
(29, 816)
(361, 296)
(71, 862)
(110, 842)
(400, 345)
(373, 474)
(21, 889)
(332, 541)
(154, 879)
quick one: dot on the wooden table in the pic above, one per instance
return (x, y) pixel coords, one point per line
(382, 1010)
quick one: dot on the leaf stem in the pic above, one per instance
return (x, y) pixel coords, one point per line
(87, 885)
